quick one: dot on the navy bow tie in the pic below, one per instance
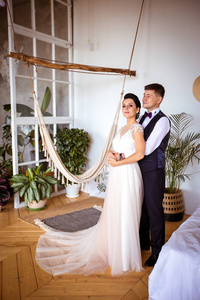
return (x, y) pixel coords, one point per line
(146, 114)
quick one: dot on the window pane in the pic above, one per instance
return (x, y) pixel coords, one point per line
(62, 55)
(42, 159)
(62, 96)
(42, 85)
(25, 45)
(43, 16)
(23, 169)
(24, 98)
(50, 130)
(25, 142)
(62, 126)
(44, 50)
(61, 21)
(22, 8)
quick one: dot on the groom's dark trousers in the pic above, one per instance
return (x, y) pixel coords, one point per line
(153, 172)
(153, 218)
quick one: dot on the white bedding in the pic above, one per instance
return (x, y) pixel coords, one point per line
(176, 275)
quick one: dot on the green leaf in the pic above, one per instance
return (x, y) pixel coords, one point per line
(46, 100)
(43, 192)
(48, 191)
(33, 185)
(30, 194)
(20, 140)
(48, 171)
(7, 107)
(15, 190)
(19, 178)
(38, 169)
(17, 185)
(34, 171)
(30, 174)
(36, 194)
(41, 180)
(51, 180)
(23, 189)
(25, 110)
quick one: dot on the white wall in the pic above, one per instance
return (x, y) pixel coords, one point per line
(167, 52)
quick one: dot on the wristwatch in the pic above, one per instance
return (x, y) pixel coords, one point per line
(120, 156)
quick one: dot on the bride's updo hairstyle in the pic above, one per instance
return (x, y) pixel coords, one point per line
(136, 100)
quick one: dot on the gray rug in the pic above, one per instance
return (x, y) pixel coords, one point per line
(71, 222)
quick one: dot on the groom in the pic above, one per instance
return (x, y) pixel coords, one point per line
(156, 134)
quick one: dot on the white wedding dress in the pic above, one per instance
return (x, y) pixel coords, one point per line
(114, 241)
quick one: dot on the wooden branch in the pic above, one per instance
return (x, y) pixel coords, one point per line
(31, 60)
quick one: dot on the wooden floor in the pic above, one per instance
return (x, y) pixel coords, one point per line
(21, 278)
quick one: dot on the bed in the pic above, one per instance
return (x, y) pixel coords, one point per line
(176, 275)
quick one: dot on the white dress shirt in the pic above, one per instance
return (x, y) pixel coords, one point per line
(160, 130)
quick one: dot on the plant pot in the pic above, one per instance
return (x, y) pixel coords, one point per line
(72, 191)
(35, 205)
(173, 206)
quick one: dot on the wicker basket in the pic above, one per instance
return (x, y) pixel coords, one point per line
(173, 206)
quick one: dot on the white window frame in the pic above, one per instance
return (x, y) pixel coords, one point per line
(54, 41)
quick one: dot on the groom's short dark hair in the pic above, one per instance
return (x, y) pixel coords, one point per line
(158, 88)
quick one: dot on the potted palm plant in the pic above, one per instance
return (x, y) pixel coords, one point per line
(183, 149)
(72, 146)
(35, 186)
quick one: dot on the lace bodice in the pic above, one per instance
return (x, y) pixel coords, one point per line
(126, 142)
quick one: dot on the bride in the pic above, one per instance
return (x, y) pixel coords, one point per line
(114, 241)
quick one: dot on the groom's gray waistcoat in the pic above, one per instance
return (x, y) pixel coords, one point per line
(156, 159)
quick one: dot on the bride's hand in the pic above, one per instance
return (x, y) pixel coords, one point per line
(112, 155)
(113, 162)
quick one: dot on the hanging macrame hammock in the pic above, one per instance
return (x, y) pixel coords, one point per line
(55, 161)
(60, 171)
